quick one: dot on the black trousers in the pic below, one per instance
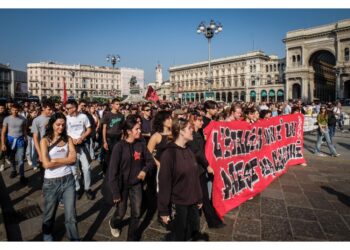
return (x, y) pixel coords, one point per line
(107, 153)
(185, 225)
(134, 193)
(209, 212)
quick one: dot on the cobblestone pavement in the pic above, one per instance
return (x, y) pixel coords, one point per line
(306, 204)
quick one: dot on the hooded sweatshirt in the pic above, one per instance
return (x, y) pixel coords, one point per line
(178, 179)
(127, 160)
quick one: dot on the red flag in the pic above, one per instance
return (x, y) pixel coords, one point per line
(64, 91)
(151, 94)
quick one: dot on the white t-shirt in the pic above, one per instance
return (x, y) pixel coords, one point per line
(77, 125)
(55, 153)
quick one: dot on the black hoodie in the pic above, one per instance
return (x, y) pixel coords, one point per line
(127, 160)
(178, 179)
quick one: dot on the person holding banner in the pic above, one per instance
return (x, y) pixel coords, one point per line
(179, 186)
(197, 147)
(323, 132)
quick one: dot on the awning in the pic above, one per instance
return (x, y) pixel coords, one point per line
(192, 95)
(263, 93)
(272, 93)
(280, 93)
(252, 94)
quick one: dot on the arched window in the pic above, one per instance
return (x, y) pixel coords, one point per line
(271, 67)
(274, 67)
(268, 81)
(293, 59)
(298, 58)
(346, 54)
(251, 69)
(267, 68)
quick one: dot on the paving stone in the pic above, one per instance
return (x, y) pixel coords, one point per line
(247, 227)
(233, 213)
(219, 237)
(347, 220)
(272, 193)
(291, 189)
(320, 203)
(241, 237)
(275, 184)
(273, 207)
(310, 229)
(297, 200)
(301, 213)
(331, 222)
(227, 230)
(341, 207)
(249, 210)
(275, 229)
(153, 235)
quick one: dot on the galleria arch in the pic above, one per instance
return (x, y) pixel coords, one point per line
(318, 66)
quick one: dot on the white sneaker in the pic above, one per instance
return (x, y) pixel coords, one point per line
(30, 163)
(2, 167)
(321, 154)
(35, 168)
(337, 155)
(114, 231)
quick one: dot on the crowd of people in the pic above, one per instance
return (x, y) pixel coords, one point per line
(151, 155)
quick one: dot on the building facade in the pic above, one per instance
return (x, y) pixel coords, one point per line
(318, 65)
(13, 83)
(82, 81)
(253, 76)
(128, 75)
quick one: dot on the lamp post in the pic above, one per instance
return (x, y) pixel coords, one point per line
(113, 59)
(209, 31)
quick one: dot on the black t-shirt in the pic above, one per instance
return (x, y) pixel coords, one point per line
(114, 123)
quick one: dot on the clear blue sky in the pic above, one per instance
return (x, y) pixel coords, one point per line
(143, 37)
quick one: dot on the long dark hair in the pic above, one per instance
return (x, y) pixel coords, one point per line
(49, 127)
(158, 121)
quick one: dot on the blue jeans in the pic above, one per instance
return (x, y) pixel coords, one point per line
(17, 155)
(31, 153)
(331, 130)
(325, 135)
(85, 166)
(54, 190)
(134, 193)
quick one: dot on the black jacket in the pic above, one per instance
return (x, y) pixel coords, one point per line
(197, 146)
(178, 179)
(127, 160)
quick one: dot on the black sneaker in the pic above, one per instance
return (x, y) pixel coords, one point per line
(13, 174)
(89, 194)
(78, 194)
(23, 180)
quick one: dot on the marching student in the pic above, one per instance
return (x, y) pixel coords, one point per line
(79, 129)
(57, 154)
(13, 139)
(179, 186)
(130, 162)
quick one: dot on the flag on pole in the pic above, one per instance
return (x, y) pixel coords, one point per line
(64, 91)
(151, 94)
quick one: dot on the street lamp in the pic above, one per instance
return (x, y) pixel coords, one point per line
(209, 31)
(113, 59)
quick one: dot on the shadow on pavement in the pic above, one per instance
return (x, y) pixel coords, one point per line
(344, 145)
(8, 209)
(345, 199)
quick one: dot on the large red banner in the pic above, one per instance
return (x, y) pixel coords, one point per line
(246, 157)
